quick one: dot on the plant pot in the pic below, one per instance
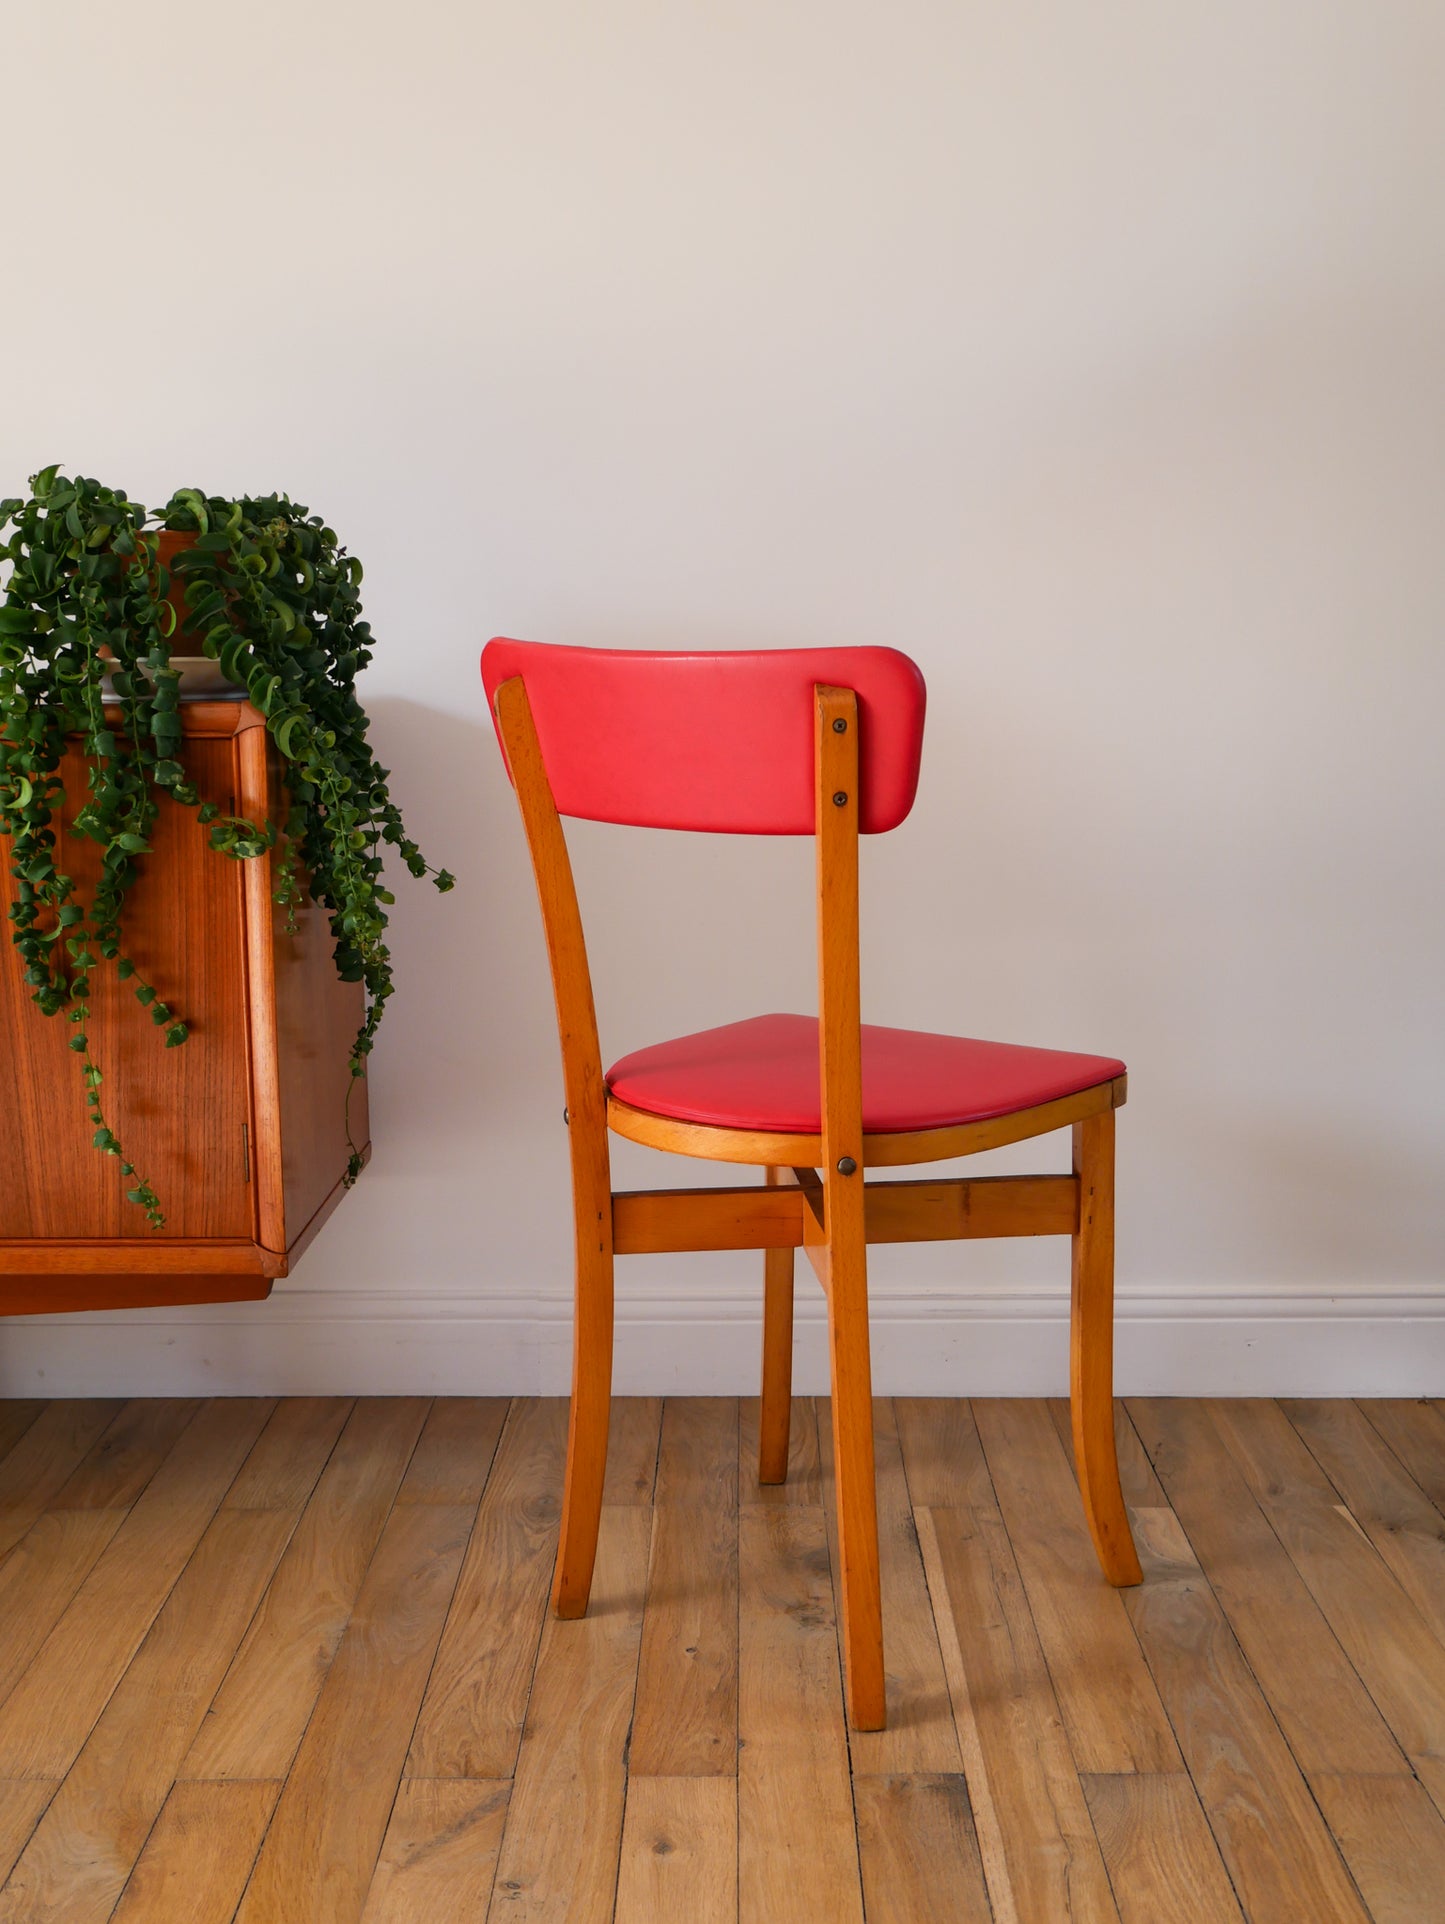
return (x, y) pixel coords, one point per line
(201, 678)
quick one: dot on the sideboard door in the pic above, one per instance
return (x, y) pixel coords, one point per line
(182, 1114)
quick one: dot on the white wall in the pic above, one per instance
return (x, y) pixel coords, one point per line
(1091, 354)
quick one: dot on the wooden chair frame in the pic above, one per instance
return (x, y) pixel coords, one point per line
(815, 1199)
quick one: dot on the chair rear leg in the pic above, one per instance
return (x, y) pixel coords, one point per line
(586, 1432)
(1091, 1352)
(856, 1491)
(776, 1405)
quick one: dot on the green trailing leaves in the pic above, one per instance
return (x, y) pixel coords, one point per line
(267, 591)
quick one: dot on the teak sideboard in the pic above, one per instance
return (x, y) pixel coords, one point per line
(240, 1129)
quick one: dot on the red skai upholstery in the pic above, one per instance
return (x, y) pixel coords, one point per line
(720, 741)
(763, 1074)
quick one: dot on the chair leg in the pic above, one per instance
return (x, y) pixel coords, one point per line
(1091, 1352)
(586, 1432)
(776, 1406)
(855, 1488)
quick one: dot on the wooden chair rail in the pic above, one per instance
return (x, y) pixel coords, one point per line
(669, 1221)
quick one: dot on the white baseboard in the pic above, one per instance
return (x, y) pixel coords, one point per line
(1288, 1341)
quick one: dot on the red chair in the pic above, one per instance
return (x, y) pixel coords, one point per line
(820, 742)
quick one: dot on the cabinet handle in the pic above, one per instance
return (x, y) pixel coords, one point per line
(246, 1149)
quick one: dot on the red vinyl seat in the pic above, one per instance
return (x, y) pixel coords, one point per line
(763, 1074)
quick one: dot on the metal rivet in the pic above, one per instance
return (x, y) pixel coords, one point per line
(840, 800)
(846, 1166)
(840, 727)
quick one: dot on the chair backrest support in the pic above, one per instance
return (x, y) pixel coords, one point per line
(836, 808)
(720, 742)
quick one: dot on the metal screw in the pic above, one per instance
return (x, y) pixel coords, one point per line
(840, 727)
(847, 1166)
(840, 800)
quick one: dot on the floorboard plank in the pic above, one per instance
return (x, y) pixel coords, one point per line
(1105, 1693)
(804, 1483)
(198, 1857)
(83, 1850)
(1393, 1839)
(685, 1723)
(563, 1834)
(22, 1805)
(920, 1739)
(1055, 1872)
(1398, 1659)
(918, 1851)
(41, 1575)
(1163, 1861)
(1326, 1713)
(322, 1848)
(1415, 1431)
(42, 1461)
(17, 1413)
(471, 1718)
(121, 1462)
(52, 1709)
(679, 1851)
(261, 1709)
(797, 1852)
(1279, 1855)
(1384, 1499)
(440, 1853)
(1136, 1473)
(632, 1446)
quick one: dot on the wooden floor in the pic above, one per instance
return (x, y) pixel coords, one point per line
(290, 1663)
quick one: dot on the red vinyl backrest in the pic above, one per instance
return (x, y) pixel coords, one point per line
(723, 742)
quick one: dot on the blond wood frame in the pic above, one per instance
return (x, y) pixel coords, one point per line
(814, 1198)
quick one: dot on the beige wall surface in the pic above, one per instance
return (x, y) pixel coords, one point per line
(1093, 355)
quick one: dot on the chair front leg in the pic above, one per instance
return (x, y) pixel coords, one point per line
(1091, 1352)
(855, 1489)
(587, 1425)
(776, 1405)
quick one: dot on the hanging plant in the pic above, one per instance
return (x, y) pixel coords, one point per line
(86, 629)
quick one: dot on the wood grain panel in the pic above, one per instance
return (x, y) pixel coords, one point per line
(679, 1851)
(179, 1112)
(316, 1016)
